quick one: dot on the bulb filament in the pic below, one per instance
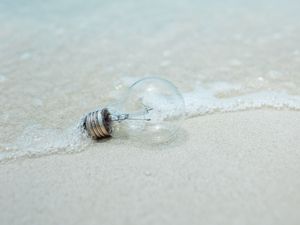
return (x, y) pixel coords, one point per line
(135, 116)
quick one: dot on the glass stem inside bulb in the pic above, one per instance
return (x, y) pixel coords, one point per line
(133, 116)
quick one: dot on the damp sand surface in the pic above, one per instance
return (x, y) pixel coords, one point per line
(236, 159)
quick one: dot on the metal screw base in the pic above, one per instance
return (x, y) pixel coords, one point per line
(98, 124)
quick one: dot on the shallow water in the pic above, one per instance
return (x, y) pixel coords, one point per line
(60, 59)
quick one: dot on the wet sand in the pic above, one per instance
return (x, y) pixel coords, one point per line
(250, 175)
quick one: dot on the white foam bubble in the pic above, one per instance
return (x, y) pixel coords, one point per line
(203, 101)
(37, 141)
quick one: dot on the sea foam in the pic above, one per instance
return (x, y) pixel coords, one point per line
(203, 101)
(206, 99)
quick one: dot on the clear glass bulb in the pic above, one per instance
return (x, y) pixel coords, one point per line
(151, 111)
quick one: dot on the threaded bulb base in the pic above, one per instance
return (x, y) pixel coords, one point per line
(98, 124)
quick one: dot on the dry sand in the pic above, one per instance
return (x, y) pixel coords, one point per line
(250, 175)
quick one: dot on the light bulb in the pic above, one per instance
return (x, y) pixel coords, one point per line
(151, 111)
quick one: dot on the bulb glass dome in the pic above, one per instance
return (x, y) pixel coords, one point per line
(151, 111)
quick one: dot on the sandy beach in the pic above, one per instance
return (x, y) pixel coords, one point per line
(249, 175)
(236, 68)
